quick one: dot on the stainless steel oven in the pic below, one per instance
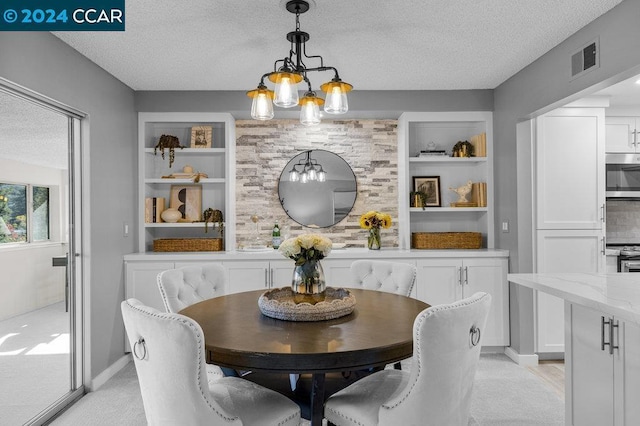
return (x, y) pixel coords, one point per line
(623, 176)
(629, 259)
(628, 265)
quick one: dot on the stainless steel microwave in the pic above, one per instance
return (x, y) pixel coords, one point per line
(623, 175)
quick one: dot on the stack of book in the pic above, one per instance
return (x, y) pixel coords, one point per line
(479, 143)
(479, 194)
(153, 208)
(432, 153)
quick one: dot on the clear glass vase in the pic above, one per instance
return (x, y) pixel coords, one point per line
(308, 283)
(373, 241)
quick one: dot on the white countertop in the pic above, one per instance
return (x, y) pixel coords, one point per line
(616, 293)
(345, 253)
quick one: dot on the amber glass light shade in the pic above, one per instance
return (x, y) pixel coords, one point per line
(286, 88)
(336, 99)
(262, 106)
(310, 109)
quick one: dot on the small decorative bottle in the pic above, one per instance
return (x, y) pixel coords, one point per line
(275, 236)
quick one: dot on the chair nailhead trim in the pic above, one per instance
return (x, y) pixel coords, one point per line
(200, 344)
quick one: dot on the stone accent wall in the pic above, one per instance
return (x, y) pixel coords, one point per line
(263, 149)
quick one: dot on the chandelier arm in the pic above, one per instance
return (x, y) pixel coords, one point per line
(304, 52)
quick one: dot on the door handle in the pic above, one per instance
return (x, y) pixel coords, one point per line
(466, 275)
(602, 342)
(604, 248)
(603, 217)
(266, 278)
(271, 278)
(613, 326)
(460, 276)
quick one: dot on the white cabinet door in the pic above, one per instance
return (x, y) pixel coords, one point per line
(439, 280)
(142, 282)
(281, 273)
(337, 272)
(490, 276)
(443, 281)
(562, 251)
(620, 134)
(589, 369)
(247, 275)
(627, 375)
(570, 183)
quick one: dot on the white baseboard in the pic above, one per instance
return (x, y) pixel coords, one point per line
(522, 360)
(109, 372)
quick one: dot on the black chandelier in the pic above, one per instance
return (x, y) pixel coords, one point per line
(310, 170)
(290, 71)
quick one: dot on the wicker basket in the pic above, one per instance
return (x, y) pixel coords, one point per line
(187, 244)
(446, 240)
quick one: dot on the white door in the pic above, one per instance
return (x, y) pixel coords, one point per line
(439, 281)
(620, 134)
(247, 276)
(627, 375)
(281, 273)
(570, 169)
(562, 251)
(490, 276)
(591, 369)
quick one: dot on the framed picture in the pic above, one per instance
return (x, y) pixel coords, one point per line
(201, 136)
(430, 186)
(188, 200)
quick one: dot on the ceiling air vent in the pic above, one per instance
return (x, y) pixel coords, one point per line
(585, 59)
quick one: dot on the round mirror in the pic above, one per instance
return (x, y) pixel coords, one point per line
(317, 188)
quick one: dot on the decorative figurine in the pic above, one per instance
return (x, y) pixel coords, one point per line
(462, 192)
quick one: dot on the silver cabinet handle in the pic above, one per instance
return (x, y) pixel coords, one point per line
(266, 278)
(466, 275)
(271, 279)
(604, 247)
(460, 276)
(602, 324)
(603, 217)
(612, 325)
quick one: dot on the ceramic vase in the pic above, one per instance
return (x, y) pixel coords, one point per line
(171, 215)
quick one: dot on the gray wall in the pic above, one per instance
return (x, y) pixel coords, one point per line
(362, 104)
(540, 87)
(41, 62)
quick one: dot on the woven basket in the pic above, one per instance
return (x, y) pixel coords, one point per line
(187, 244)
(446, 240)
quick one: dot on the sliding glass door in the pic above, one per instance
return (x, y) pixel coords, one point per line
(40, 256)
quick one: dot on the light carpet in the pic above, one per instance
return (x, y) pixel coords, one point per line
(504, 394)
(34, 362)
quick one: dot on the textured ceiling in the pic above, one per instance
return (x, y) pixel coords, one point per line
(375, 45)
(32, 134)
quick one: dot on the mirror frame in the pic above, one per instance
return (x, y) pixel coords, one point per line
(294, 160)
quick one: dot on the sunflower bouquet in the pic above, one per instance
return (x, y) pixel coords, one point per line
(373, 221)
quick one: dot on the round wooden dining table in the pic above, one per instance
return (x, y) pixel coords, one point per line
(239, 336)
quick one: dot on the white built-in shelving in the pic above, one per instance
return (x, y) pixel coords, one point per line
(415, 131)
(217, 162)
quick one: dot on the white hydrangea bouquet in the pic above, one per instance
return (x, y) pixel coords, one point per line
(306, 248)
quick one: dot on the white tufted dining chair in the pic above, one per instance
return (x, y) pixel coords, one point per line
(182, 287)
(392, 277)
(168, 352)
(437, 391)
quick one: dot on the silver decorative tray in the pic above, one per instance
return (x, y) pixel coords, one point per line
(279, 303)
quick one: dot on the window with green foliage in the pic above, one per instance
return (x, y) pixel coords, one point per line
(20, 223)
